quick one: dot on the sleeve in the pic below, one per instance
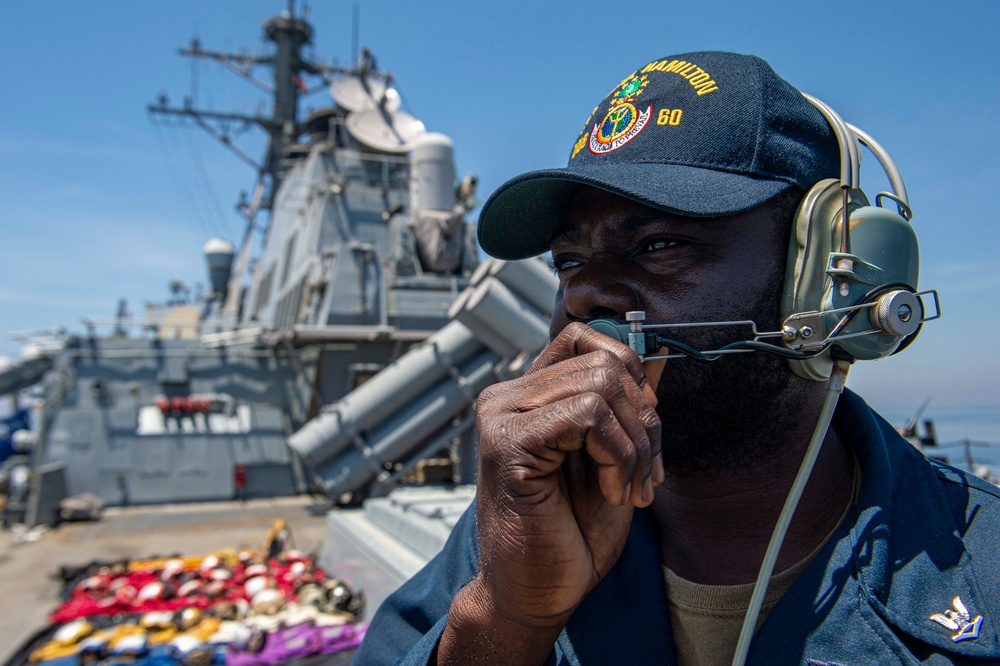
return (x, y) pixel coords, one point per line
(409, 623)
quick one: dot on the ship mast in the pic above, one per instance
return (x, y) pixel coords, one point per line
(289, 67)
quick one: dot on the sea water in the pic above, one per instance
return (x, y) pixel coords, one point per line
(961, 430)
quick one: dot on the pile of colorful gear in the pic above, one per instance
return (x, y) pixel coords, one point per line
(234, 608)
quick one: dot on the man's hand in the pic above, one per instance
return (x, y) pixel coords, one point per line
(566, 452)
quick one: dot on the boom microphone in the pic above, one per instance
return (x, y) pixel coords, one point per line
(891, 310)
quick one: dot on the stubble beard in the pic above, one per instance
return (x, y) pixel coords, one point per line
(727, 415)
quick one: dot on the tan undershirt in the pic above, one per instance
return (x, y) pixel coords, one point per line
(706, 619)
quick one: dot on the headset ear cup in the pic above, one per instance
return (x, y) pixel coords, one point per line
(809, 247)
(883, 254)
(886, 270)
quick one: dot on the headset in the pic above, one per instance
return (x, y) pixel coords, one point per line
(850, 290)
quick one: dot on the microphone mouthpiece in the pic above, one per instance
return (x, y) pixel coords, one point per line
(611, 328)
(640, 341)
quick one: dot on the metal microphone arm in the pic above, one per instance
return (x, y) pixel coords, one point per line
(890, 310)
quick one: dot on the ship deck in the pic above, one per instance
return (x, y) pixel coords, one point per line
(30, 593)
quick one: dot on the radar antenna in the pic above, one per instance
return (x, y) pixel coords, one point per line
(290, 68)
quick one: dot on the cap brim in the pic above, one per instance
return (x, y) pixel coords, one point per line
(519, 218)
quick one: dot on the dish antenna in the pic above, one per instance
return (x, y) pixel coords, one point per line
(354, 93)
(388, 131)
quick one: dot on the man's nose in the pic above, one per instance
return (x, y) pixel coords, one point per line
(600, 288)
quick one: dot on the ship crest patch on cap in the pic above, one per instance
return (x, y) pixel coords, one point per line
(623, 121)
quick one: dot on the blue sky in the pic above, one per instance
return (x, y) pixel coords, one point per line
(100, 203)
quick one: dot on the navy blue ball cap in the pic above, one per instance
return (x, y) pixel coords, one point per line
(702, 134)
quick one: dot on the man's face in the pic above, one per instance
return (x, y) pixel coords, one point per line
(613, 255)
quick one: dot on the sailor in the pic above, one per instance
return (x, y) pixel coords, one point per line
(624, 510)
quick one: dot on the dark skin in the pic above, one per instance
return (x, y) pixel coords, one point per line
(572, 448)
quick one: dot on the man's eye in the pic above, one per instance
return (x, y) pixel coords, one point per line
(660, 244)
(560, 264)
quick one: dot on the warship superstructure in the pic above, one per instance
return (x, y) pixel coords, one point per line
(348, 350)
